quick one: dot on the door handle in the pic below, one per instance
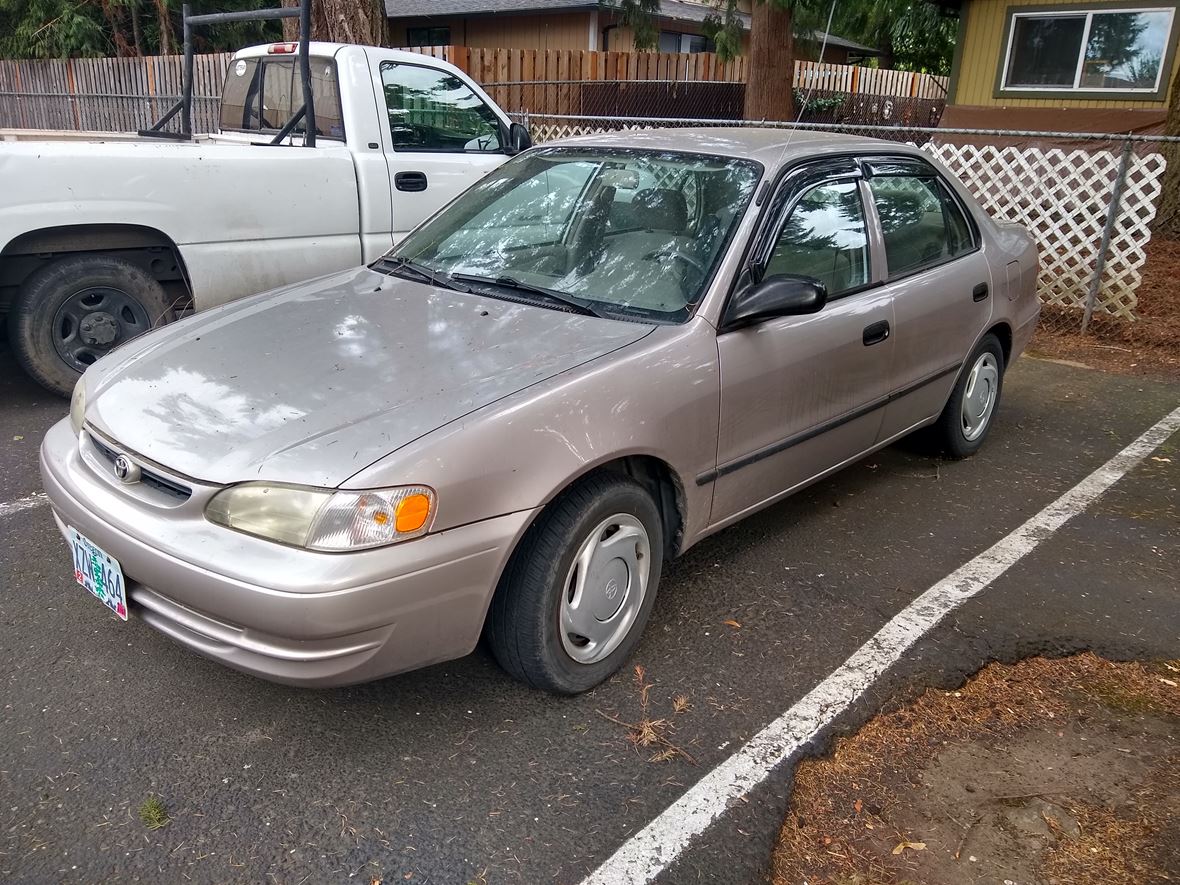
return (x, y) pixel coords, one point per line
(876, 333)
(412, 182)
(979, 292)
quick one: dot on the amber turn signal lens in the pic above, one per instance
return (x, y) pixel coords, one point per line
(412, 513)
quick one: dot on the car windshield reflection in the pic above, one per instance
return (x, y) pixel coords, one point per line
(636, 234)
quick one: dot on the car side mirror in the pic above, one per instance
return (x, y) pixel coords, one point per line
(518, 139)
(781, 295)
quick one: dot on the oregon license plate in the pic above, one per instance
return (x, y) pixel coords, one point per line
(99, 572)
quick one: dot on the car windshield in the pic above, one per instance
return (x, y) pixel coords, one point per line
(621, 233)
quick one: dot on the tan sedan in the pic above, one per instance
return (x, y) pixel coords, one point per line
(608, 349)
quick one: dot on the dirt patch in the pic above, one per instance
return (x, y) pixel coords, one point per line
(1150, 346)
(1064, 772)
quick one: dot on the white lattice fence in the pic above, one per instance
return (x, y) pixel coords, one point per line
(1063, 198)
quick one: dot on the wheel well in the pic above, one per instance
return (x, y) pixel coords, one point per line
(1004, 332)
(149, 249)
(661, 482)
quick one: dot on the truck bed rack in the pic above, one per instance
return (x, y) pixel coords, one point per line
(183, 107)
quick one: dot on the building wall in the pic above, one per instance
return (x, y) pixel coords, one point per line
(565, 30)
(982, 46)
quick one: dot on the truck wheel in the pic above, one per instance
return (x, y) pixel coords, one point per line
(75, 310)
(578, 590)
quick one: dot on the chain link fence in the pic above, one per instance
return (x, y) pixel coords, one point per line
(1089, 199)
(704, 99)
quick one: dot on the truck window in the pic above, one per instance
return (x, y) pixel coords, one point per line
(260, 94)
(431, 110)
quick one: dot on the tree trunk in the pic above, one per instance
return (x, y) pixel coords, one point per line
(770, 70)
(290, 25)
(1167, 216)
(136, 31)
(350, 21)
(166, 41)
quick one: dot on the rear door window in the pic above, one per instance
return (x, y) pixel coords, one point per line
(921, 221)
(261, 94)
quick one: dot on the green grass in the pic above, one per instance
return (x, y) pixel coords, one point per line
(153, 813)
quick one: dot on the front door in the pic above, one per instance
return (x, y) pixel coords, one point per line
(801, 395)
(443, 138)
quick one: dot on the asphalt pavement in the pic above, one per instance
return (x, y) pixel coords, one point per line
(456, 774)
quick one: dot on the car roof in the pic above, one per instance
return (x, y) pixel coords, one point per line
(771, 147)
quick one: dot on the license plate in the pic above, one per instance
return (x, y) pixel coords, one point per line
(99, 572)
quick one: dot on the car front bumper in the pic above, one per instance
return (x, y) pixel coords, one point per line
(282, 613)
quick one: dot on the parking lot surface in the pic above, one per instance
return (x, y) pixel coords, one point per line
(456, 774)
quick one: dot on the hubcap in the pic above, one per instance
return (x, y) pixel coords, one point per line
(93, 320)
(605, 588)
(979, 400)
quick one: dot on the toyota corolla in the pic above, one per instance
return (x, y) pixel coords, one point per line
(608, 349)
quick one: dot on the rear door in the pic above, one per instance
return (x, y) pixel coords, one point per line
(440, 137)
(940, 282)
(801, 395)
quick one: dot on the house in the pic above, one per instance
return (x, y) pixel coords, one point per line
(1068, 65)
(571, 24)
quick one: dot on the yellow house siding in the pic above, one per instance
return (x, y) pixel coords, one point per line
(982, 56)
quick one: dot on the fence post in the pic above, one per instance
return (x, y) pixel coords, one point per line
(1107, 232)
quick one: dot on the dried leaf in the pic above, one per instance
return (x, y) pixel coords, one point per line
(731, 623)
(1170, 682)
(913, 846)
(858, 805)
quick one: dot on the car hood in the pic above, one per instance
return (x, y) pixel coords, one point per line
(312, 383)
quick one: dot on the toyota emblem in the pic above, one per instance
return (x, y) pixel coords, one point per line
(126, 469)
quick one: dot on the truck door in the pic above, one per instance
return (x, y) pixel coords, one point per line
(442, 138)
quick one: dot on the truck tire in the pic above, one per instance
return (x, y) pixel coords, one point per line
(76, 309)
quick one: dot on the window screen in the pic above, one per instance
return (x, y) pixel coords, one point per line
(428, 36)
(1104, 50)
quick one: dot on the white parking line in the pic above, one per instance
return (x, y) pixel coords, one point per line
(11, 507)
(654, 848)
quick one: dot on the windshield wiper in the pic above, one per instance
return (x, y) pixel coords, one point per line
(401, 266)
(505, 282)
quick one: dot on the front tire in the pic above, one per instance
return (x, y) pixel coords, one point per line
(75, 310)
(965, 421)
(580, 587)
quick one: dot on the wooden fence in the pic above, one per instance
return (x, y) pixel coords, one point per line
(854, 80)
(125, 94)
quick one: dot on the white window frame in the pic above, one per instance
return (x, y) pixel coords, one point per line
(1088, 13)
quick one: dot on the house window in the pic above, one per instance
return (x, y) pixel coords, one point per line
(428, 36)
(1088, 50)
(674, 41)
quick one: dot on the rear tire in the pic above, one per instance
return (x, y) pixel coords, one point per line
(75, 310)
(969, 413)
(602, 536)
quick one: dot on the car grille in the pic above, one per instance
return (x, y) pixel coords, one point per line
(148, 477)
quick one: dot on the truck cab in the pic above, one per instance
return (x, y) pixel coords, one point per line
(105, 238)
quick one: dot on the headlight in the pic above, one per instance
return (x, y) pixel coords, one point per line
(78, 406)
(324, 520)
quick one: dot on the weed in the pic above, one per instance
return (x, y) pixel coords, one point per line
(153, 813)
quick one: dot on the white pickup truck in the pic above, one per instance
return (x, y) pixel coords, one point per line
(103, 239)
